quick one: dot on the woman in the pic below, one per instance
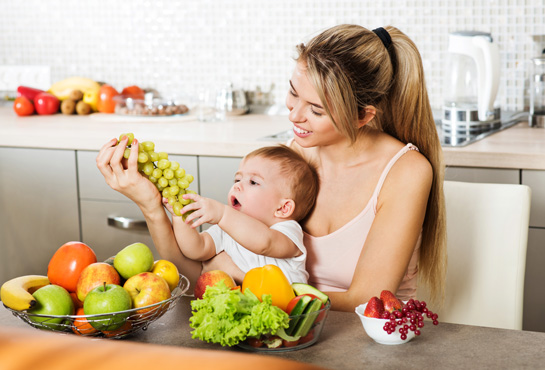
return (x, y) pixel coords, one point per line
(357, 99)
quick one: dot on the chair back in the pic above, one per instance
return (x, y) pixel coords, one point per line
(487, 235)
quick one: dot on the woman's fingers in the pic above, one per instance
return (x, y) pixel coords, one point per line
(115, 161)
(104, 157)
(133, 157)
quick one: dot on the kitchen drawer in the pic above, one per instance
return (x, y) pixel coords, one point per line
(536, 181)
(107, 240)
(38, 208)
(93, 186)
(483, 175)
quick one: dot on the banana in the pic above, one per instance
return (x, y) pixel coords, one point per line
(62, 89)
(15, 293)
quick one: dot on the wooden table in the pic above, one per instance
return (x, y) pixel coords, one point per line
(345, 345)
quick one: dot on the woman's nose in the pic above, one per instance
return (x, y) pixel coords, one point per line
(296, 111)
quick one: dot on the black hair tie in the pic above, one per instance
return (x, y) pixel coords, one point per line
(384, 36)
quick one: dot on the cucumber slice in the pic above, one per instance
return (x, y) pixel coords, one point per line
(311, 313)
(301, 288)
(299, 308)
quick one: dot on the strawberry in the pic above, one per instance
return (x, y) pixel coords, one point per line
(391, 303)
(375, 308)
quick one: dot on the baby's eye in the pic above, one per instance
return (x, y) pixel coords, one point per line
(237, 180)
(252, 182)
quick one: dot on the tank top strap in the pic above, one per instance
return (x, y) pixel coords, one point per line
(386, 170)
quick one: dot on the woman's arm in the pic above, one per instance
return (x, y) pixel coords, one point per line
(129, 182)
(222, 261)
(390, 244)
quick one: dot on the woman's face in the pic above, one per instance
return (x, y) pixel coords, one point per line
(311, 124)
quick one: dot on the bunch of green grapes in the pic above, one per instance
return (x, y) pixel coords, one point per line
(169, 178)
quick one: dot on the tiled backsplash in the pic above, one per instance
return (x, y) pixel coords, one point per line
(180, 46)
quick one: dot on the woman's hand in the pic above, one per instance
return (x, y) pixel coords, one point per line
(128, 181)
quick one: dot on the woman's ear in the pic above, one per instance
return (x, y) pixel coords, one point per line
(286, 209)
(369, 113)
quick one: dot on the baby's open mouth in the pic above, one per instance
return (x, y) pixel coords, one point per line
(235, 203)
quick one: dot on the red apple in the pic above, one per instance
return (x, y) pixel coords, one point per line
(94, 275)
(146, 289)
(46, 103)
(212, 278)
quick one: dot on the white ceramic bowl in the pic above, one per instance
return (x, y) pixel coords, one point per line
(375, 329)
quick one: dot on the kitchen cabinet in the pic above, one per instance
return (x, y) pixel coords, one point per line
(103, 209)
(536, 181)
(39, 209)
(534, 294)
(217, 175)
(484, 175)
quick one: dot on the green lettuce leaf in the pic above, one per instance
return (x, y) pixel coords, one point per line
(228, 316)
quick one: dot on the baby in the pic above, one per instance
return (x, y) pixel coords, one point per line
(274, 189)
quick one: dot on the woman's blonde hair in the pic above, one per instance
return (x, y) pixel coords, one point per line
(352, 68)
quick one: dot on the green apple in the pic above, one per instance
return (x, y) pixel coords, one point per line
(107, 298)
(51, 300)
(133, 259)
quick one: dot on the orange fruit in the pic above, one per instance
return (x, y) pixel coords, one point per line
(81, 326)
(112, 333)
(133, 91)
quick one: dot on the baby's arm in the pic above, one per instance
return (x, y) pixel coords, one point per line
(194, 245)
(252, 234)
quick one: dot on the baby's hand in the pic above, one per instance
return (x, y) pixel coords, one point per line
(168, 206)
(205, 210)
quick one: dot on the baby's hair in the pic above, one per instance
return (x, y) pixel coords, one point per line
(301, 176)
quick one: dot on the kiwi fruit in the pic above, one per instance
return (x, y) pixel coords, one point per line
(83, 108)
(68, 106)
(75, 95)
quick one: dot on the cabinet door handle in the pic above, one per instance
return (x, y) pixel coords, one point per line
(126, 223)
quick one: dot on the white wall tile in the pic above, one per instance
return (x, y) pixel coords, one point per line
(178, 46)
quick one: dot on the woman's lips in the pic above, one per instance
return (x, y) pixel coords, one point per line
(298, 131)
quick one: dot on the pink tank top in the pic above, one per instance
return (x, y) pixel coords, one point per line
(332, 258)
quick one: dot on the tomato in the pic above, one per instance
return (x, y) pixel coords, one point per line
(67, 263)
(288, 343)
(106, 95)
(307, 338)
(133, 92)
(46, 103)
(255, 342)
(23, 106)
(294, 301)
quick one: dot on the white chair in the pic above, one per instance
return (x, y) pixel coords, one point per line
(487, 233)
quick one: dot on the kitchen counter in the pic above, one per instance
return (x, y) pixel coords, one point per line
(345, 345)
(519, 147)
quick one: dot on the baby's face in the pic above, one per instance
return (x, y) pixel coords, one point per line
(258, 189)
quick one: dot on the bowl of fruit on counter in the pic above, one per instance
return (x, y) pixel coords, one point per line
(266, 313)
(388, 320)
(110, 299)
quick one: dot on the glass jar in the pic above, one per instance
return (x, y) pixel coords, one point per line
(537, 93)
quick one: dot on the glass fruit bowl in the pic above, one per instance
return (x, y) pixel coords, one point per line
(110, 325)
(306, 326)
(152, 107)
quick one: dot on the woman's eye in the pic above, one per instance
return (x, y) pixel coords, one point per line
(315, 113)
(292, 93)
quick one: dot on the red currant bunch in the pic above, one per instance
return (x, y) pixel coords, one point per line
(411, 317)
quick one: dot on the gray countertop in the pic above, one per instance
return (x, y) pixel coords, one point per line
(344, 344)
